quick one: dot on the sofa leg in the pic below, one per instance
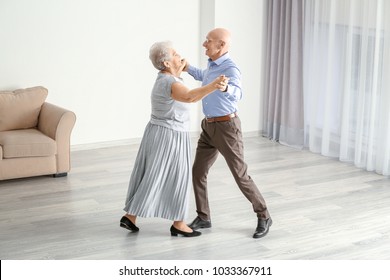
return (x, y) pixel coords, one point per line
(57, 175)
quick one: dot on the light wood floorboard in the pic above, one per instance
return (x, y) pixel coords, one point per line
(321, 208)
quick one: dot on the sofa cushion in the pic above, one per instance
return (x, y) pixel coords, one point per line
(26, 143)
(20, 109)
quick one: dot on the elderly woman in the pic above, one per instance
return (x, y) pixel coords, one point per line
(160, 181)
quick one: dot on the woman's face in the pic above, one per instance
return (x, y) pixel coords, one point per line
(175, 61)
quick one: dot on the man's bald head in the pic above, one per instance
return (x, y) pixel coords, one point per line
(217, 43)
(221, 34)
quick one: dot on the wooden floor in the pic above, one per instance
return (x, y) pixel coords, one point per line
(321, 208)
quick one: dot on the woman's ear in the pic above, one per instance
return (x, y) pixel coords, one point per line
(166, 64)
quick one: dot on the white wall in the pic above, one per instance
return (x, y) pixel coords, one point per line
(92, 55)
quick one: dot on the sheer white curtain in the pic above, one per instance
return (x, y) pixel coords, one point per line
(347, 81)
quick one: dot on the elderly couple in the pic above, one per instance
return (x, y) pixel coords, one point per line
(160, 181)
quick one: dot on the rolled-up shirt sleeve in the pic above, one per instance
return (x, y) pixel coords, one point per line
(234, 90)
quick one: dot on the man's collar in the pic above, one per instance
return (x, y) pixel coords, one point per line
(220, 59)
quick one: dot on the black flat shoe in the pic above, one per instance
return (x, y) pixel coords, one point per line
(175, 232)
(127, 224)
(262, 227)
(199, 223)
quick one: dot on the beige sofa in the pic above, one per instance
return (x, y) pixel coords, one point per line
(34, 135)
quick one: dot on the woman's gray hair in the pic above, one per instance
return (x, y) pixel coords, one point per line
(160, 52)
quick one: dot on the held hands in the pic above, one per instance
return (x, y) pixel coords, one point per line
(221, 83)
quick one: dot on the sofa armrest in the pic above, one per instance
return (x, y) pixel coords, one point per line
(57, 123)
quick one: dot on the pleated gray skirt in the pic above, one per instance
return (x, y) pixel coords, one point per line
(160, 181)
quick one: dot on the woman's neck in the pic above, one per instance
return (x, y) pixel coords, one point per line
(170, 73)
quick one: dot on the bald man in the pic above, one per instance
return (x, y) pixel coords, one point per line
(221, 133)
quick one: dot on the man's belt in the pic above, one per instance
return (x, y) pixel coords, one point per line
(222, 119)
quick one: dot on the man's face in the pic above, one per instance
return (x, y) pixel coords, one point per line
(213, 46)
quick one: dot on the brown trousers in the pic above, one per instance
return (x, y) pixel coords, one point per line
(225, 138)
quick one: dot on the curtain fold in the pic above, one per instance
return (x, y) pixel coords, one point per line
(283, 83)
(327, 84)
